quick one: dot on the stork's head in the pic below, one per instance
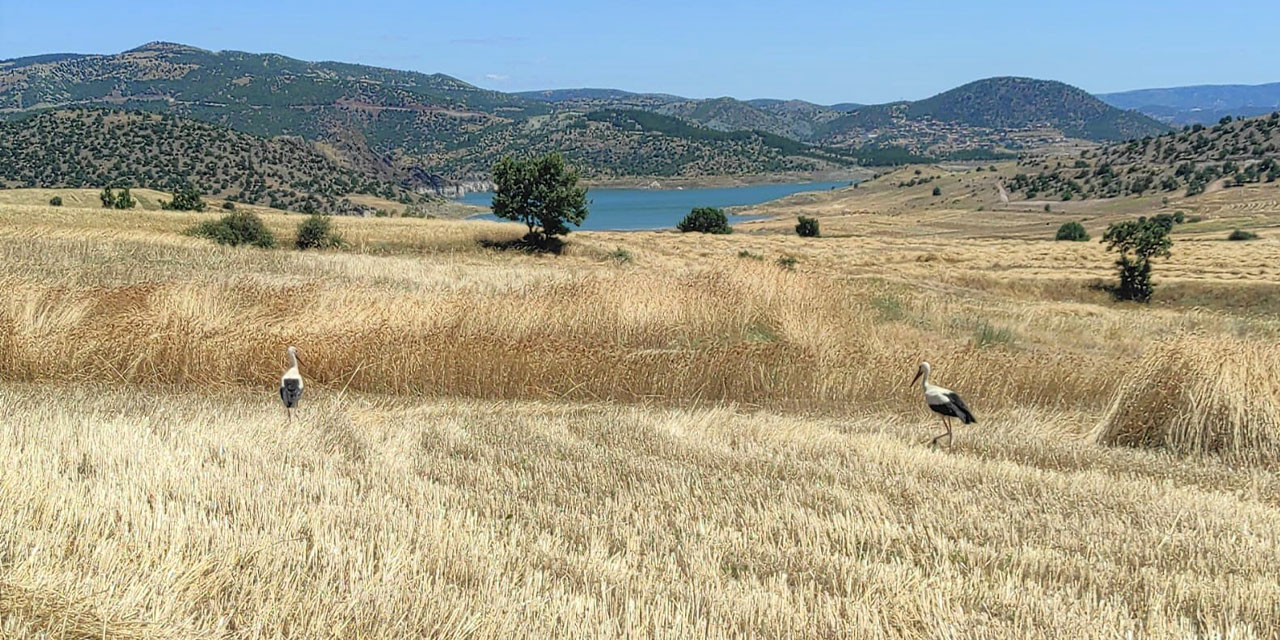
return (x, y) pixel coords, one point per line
(293, 354)
(922, 370)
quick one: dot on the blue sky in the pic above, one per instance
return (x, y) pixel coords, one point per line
(821, 51)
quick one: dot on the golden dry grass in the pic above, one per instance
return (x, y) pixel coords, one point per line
(1201, 395)
(198, 514)
(685, 442)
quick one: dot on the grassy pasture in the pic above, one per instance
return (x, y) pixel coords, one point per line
(655, 434)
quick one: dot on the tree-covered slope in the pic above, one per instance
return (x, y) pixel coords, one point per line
(95, 148)
(1014, 103)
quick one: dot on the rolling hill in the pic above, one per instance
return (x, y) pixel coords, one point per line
(389, 124)
(96, 147)
(1187, 162)
(419, 124)
(1202, 104)
(1007, 103)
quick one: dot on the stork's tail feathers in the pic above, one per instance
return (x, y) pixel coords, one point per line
(966, 417)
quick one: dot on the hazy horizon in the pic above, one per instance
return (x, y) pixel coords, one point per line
(815, 51)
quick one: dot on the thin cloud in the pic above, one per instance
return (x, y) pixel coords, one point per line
(497, 77)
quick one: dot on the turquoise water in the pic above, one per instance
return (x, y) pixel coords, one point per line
(632, 209)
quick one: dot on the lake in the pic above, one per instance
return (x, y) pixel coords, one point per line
(634, 209)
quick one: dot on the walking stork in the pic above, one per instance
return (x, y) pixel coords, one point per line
(943, 401)
(291, 384)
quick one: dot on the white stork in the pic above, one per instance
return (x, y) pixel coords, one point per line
(291, 384)
(943, 401)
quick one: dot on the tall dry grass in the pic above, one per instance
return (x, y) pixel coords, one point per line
(741, 331)
(1196, 394)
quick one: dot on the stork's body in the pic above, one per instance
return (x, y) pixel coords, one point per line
(944, 402)
(291, 384)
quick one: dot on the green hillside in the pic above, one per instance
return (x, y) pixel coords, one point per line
(1011, 103)
(1186, 162)
(387, 124)
(95, 148)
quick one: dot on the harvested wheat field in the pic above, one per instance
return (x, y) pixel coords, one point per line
(651, 435)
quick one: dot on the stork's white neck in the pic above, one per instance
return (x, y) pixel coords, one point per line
(293, 360)
(924, 379)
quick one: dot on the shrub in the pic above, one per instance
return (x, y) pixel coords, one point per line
(1241, 235)
(787, 262)
(184, 199)
(235, 229)
(316, 232)
(1048, 209)
(1195, 395)
(705, 220)
(1072, 232)
(229, 205)
(750, 256)
(937, 191)
(124, 200)
(621, 255)
(807, 227)
(121, 200)
(55, 201)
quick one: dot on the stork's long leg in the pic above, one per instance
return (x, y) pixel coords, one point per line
(934, 442)
(950, 439)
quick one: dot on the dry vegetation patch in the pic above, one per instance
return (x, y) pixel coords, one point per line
(1195, 394)
(690, 441)
(206, 515)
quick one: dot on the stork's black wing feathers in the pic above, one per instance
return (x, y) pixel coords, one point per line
(290, 393)
(962, 411)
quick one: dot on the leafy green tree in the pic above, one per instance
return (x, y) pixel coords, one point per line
(124, 200)
(1072, 232)
(807, 227)
(316, 232)
(55, 201)
(108, 199)
(541, 192)
(937, 191)
(185, 199)
(705, 220)
(1137, 242)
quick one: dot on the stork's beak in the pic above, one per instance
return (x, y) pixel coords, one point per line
(918, 373)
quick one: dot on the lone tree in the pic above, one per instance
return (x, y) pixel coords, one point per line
(541, 192)
(124, 200)
(705, 220)
(185, 199)
(1137, 242)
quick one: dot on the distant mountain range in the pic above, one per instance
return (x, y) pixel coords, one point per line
(415, 130)
(1203, 104)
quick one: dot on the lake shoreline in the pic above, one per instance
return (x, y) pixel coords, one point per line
(632, 209)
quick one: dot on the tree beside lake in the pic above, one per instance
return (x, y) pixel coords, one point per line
(541, 192)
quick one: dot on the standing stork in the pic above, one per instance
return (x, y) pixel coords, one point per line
(943, 401)
(291, 384)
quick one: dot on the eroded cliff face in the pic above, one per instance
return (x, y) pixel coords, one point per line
(422, 181)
